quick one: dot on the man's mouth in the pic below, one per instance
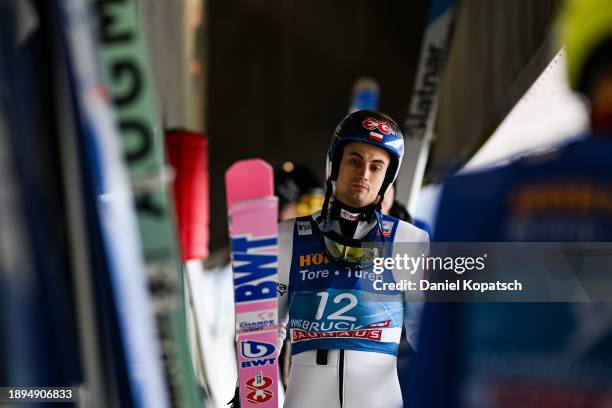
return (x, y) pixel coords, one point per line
(360, 187)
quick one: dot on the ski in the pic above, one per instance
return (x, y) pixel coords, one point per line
(38, 334)
(253, 217)
(424, 98)
(125, 57)
(116, 251)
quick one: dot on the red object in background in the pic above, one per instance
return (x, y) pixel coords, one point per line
(188, 154)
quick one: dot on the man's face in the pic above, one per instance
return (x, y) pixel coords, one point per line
(362, 172)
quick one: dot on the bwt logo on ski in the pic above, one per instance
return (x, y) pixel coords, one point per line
(257, 350)
(254, 271)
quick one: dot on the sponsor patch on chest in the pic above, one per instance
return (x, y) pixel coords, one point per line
(387, 227)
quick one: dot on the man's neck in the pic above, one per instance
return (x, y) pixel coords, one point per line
(340, 210)
(349, 217)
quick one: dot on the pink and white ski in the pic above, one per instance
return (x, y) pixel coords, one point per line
(252, 217)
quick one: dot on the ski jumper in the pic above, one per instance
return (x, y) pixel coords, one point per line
(327, 306)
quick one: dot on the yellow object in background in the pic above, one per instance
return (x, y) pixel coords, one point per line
(584, 25)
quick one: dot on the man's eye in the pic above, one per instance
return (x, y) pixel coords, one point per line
(376, 169)
(355, 161)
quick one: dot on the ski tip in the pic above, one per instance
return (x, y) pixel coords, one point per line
(247, 179)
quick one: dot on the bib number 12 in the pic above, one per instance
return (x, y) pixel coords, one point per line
(338, 314)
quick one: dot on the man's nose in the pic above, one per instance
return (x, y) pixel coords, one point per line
(363, 173)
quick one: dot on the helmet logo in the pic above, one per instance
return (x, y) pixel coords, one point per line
(376, 136)
(370, 123)
(383, 127)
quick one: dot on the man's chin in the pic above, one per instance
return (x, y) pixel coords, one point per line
(356, 200)
(360, 202)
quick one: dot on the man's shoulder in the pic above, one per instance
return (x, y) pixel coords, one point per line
(285, 223)
(406, 232)
(287, 226)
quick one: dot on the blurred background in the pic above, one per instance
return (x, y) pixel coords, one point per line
(273, 79)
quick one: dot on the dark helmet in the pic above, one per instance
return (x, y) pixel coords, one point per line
(372, 128)
(378, 130)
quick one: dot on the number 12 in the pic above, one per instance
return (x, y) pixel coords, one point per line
(337, 315)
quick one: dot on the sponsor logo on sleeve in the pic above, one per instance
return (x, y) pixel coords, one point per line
(304, 228)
